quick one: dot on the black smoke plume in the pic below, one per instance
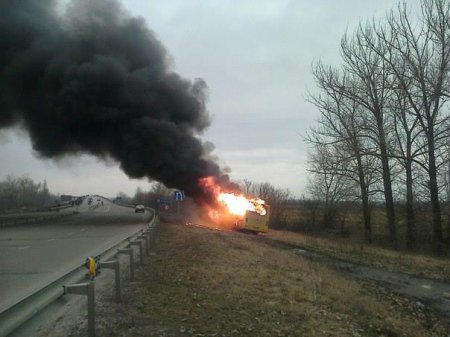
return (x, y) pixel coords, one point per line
(90, 78)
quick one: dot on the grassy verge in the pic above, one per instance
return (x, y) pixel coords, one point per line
(200, 282)
(413, 264)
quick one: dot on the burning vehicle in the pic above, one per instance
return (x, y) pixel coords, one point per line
(254, 221)
(244, 213)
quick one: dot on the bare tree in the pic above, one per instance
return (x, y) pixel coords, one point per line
(328, 184)
(389, 103)
(247, 186)
(418, 54)
(406, 149)
(341, 122)
(139, 196)
(276, 198)
(368, 84)
(158, 190)
(23, 192)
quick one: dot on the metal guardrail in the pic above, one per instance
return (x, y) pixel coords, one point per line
(16, 315)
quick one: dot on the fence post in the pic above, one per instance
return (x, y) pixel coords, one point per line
(87, 289)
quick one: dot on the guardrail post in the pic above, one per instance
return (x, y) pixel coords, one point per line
(128, 251)
(139, 244)
(147, 243)
(146, 232)
(151, 231)
(87, 289)
(114, 264)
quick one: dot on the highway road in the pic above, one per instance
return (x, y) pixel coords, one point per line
(33, 255)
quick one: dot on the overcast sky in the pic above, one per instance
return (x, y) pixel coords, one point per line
(256, 58)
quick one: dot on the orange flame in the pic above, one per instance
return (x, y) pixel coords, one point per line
(235, 204)
(239, 204)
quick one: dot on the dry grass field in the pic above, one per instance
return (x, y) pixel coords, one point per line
(348, 226)
(201, 282)
(369, 255)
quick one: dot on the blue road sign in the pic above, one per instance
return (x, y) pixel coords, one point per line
(179, 195)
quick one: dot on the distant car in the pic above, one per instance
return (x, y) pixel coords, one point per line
(139, 208)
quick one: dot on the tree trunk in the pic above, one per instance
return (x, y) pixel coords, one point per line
(387, 184)
(410, 215)
(434, 196)
(366, 215)
(365, 201)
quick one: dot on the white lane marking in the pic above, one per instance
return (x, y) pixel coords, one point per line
(49, 240)
(23, 247)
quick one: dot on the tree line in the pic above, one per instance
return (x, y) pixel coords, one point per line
(384, 126)
(149, 198)
(19, 192)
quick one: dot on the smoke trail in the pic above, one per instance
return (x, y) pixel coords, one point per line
(96, 80)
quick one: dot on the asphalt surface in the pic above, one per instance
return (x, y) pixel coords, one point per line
(33, 255)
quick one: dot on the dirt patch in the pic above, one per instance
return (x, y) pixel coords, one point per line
(200, 282)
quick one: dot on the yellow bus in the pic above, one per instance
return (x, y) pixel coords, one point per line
(254, 222)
